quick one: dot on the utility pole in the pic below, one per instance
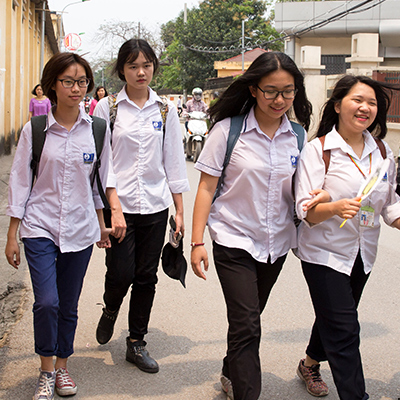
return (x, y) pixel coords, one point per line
(184, 81)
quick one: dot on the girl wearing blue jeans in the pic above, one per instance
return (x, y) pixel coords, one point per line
(57, 217)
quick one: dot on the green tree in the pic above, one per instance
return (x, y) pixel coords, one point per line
(213, 32)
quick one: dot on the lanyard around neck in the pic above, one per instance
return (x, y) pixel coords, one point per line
(354, 162)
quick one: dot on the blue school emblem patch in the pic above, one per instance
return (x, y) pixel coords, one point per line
(88, 158)
(157, 125)
(293, 160)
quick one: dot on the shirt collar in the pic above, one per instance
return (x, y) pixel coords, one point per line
(153, 97)
(82, 116)
(284, 127)
(334, 140)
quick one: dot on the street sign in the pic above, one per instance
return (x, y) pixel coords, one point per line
(72, 41)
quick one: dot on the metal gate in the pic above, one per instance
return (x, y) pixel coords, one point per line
(391, 77)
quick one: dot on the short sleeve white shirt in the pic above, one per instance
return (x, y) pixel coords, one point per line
(147, 167)
(254, 211)
(325, 243)
(62, 204)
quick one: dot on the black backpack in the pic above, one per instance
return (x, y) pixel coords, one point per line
(39, 124)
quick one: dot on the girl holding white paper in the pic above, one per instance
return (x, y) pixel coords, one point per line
(336, 260)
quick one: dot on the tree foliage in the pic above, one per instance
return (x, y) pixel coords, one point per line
(215, 25)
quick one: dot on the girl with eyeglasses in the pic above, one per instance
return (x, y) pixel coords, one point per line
(59, 218)
(251, 222)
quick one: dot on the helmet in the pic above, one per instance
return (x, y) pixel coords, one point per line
(197, 90)
(197, 93)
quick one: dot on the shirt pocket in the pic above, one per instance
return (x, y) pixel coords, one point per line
(377, 199)
(86, 158)
(288, 163)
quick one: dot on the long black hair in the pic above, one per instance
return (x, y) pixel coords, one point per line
(330, 117)
(237, 99)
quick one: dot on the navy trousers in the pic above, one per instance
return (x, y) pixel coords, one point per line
(246, 285)
(57, 280)
(336, 331)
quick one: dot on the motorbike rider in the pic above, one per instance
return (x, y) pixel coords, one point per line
(195, 104)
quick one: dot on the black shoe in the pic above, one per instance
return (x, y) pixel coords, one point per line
(136, 353)
(105, 328)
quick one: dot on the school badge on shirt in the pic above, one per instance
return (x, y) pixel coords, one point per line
(88, 158)
(293, 160)
(157, 125)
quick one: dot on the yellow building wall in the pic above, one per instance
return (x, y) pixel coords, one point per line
(20, 42)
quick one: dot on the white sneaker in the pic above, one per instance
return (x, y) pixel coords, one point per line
(45, 386)
(227, 386)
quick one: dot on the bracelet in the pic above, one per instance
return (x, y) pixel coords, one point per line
(194, 244)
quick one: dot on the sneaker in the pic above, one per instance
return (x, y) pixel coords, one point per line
(227, 386)
(313, 380)
(45, 386)
(105, 327)
(136, 353)
(65, 386)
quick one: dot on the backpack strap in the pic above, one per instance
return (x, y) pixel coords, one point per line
(113, 106)
(99, 127)
(326, 154)
(381, 147)
(39, 124)
(233, 136)
(164, 112)
(300, 134)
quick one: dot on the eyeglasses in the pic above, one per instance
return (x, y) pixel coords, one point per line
(287, 94)
(70, 83)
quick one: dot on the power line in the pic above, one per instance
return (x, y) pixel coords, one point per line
(353, 10)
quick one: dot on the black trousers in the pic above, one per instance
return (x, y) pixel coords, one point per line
(134, 263)
(246, 285)
(335, 334)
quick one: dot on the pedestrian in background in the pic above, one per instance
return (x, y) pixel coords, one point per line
(40, 104)
(337, 260)
(58, 217)
(179, 106)
(150, 175)
(251, 222)
(98, 95)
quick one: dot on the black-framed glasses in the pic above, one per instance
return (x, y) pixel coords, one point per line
(287, 94)
(69, 83)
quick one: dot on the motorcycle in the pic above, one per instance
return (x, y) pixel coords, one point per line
(195, 135)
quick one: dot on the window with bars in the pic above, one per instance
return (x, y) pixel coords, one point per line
(334, 64)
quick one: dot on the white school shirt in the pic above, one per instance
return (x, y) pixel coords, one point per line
(254, 211)
(325, 243)
(145, 170)
(62, 204)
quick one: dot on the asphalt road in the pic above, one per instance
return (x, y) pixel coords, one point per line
(187, 335)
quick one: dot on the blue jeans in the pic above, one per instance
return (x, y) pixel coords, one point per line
(57, 280)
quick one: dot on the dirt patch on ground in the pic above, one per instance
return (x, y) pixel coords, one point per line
(11, 307)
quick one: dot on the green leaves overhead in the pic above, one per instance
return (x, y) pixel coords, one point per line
(213, 32)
